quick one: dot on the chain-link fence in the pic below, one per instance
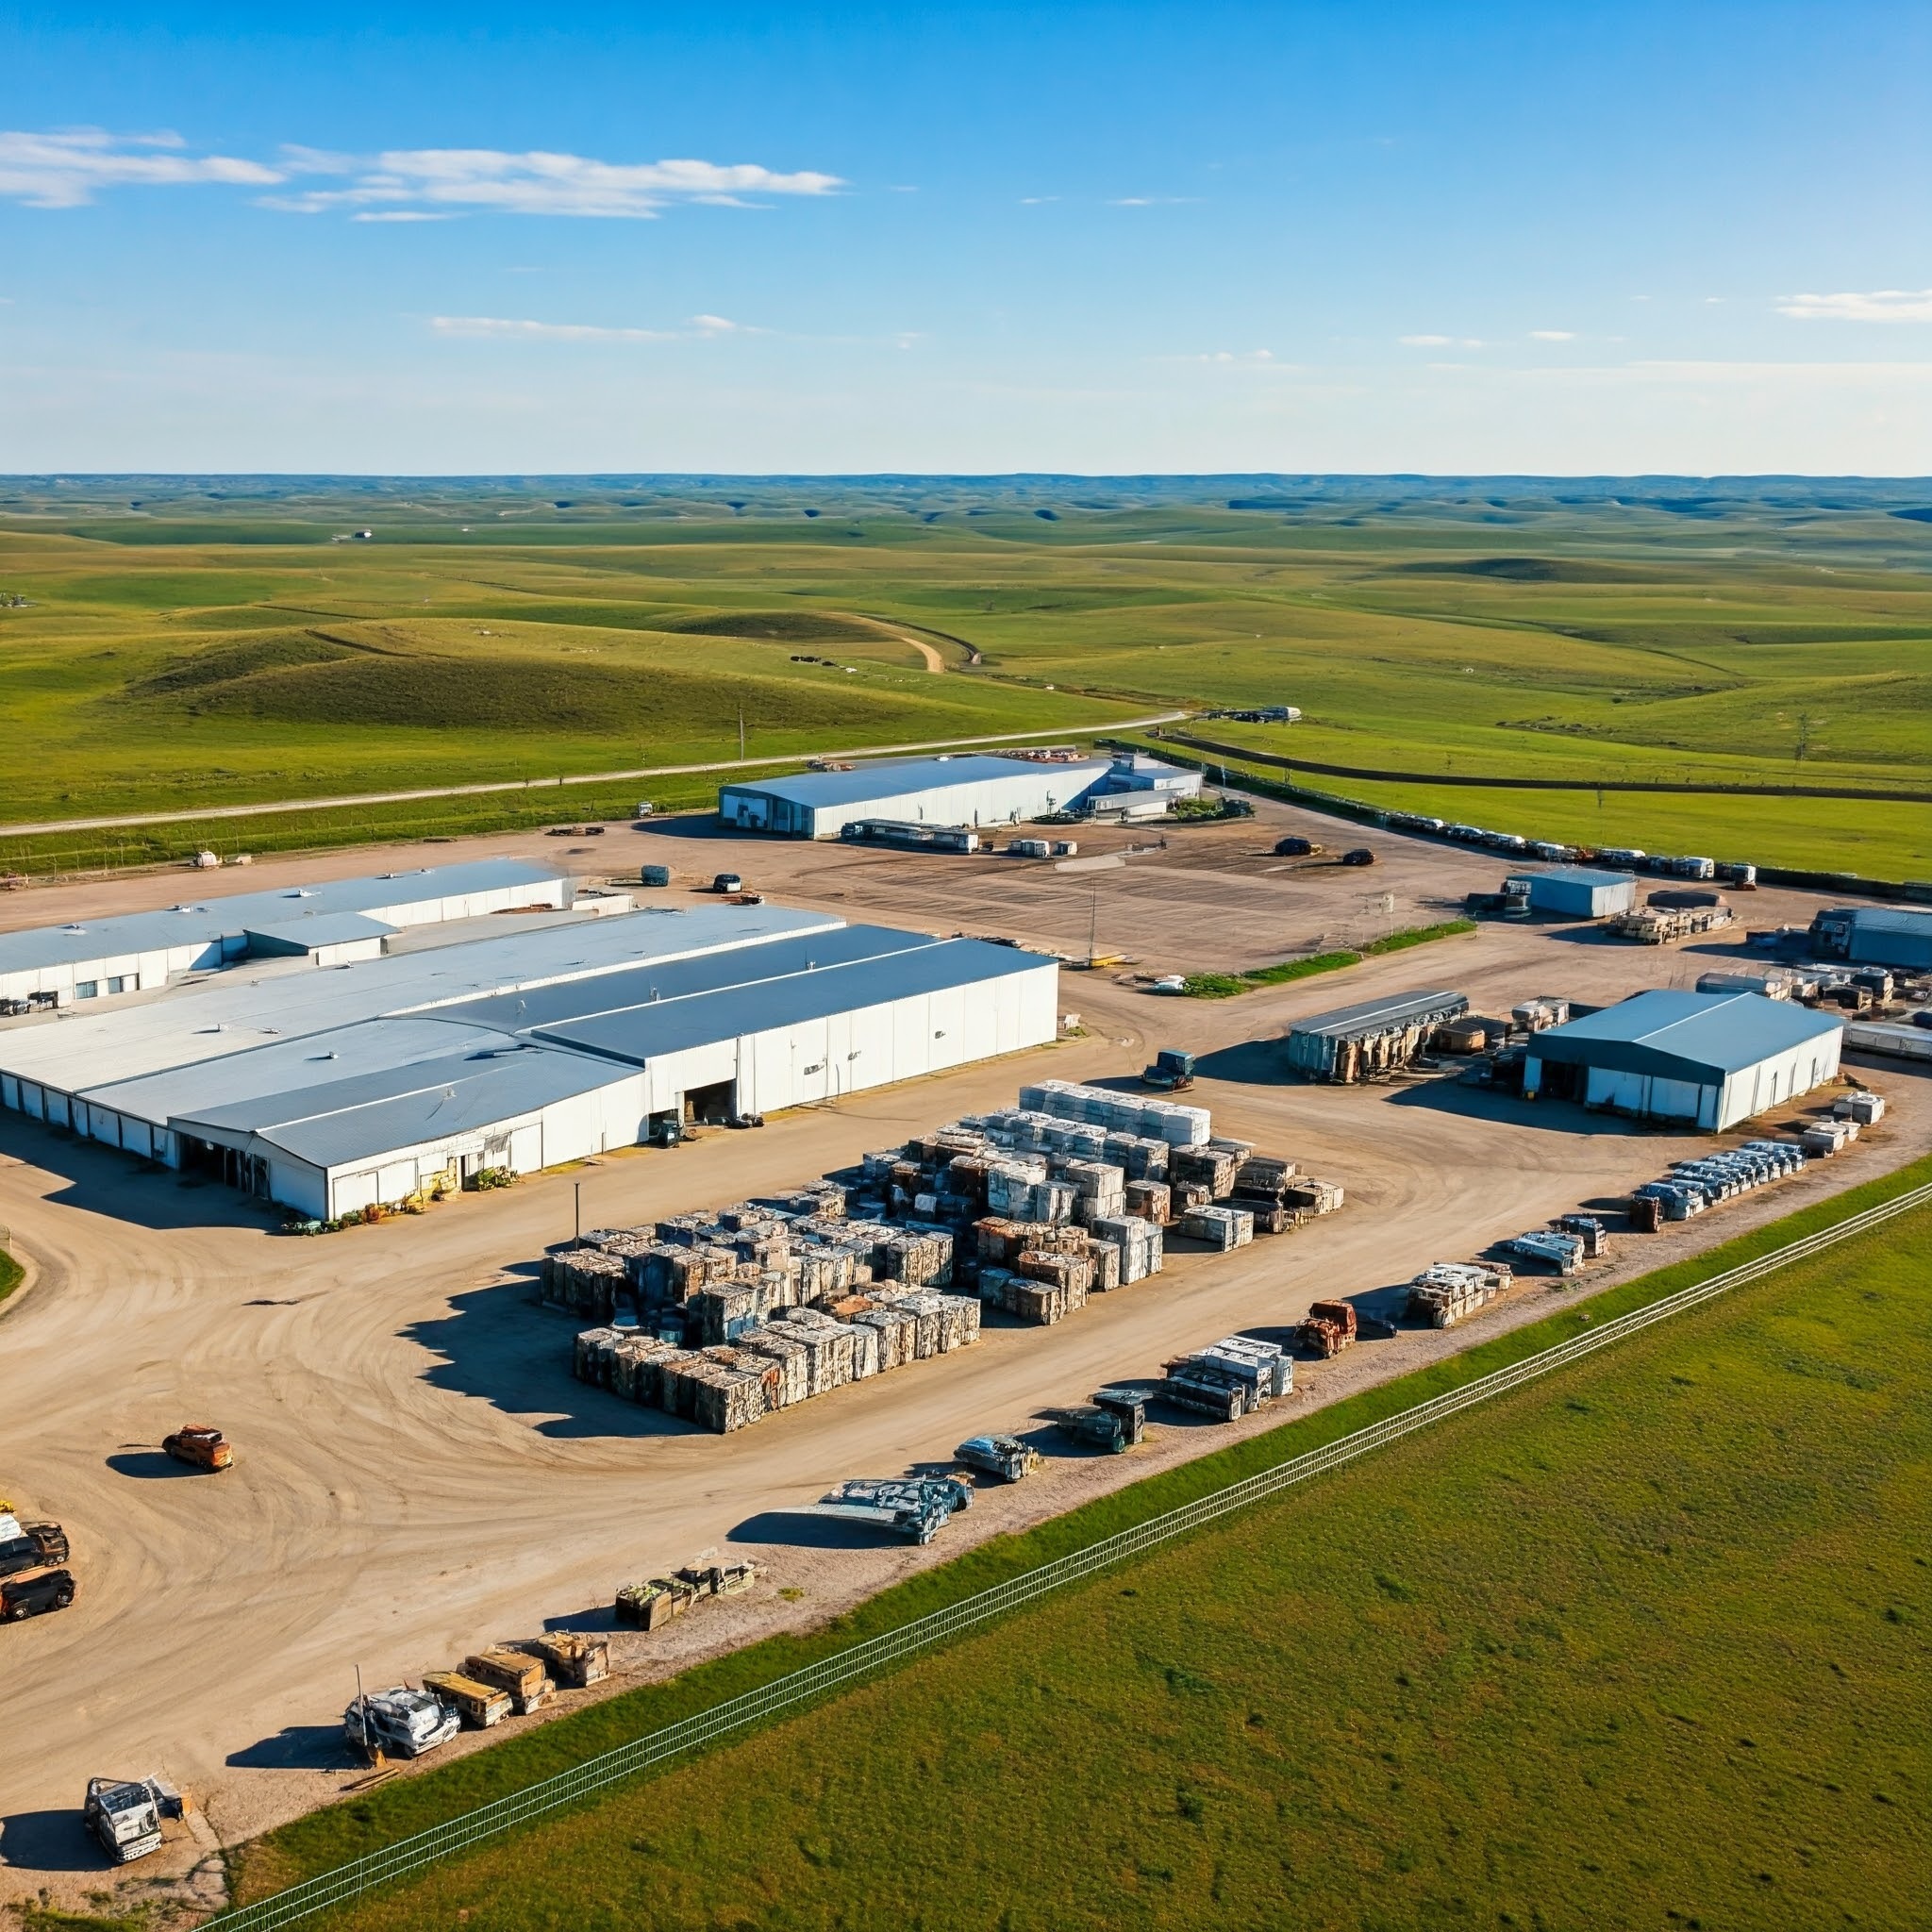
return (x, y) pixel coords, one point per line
(876, 1654)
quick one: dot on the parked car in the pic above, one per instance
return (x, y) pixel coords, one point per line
(26, 1596)
(1359, 855)
(1295, 848)
(727, 882)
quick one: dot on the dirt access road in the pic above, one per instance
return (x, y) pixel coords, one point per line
(417, 1470)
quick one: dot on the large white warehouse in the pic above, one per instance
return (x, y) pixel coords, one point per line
(1708, 1059)
(330, 1091)
(329, 924)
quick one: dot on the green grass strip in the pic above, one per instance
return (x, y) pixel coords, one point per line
(11, 1274)
(326, 1839)
(1225, 986)
(1419, 935)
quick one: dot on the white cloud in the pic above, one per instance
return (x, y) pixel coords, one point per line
(1425, 341)
(65, 170)
(507, 328)
(489, 181)
(1880, 304)
(503, 328)
(1150, 200)
(398, 214)
(1552, 335)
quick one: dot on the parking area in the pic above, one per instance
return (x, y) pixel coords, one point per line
(417, 1472)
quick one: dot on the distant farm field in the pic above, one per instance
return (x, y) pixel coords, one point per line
(1644, 1644)
(178, 645)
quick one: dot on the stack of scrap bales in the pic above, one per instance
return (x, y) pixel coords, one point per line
(1099, 1189)
(716, 1315)
(1260, 1186)
(1137, 1242)
(722, 1389)
(1023, 1192)
(587, 1281)
(916, 1256)
(788, 1355)
(1121, 1113)
(648, 1605)
(897, 1332)
(829, 1348)
(1221, 1228)
(942, 1323)
(1149, 1201)
(1104, 1258)
(591, 1360)
(1212, 1166)
(1446, 1291)
(1313, 1196)
(576, 1657)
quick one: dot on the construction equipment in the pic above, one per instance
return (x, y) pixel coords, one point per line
(1173, 1071)
(125, 1814)
(201, 1445)
(27, 1597)
(1006, 1457)
(1329, 1327)
(916, 1508)
(478, 1705)
(1129, 1405)
(402, 1721)
(29, 1545)
(514, 1671)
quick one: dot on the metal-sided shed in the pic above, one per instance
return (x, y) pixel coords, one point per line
(1352, 1042)
(1578, 891)
(1708, 1059)
(979, 789)
(1877, 935)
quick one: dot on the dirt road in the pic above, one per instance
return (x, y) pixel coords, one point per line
(417, 1472)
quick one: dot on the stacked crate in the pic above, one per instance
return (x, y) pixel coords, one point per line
(1221, 1228)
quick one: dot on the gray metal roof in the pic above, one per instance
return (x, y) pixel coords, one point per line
(1892, 918)
(201, 921)
(1379, 1016)
(1700, 1037)
(896, 777)
(313, 929)
(1585, 876)
(620, 992)
(645, 1032)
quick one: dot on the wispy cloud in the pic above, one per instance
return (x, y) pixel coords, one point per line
(1151, 200)
(1552, 335)
(489, 181)
(66, 170)
(1440, 341)
(1879, 305)
(507, 328)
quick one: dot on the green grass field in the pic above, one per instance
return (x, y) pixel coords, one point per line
(1640, 1645)
(179, 642)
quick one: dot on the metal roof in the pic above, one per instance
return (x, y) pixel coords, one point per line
(1379, 1016)
(896, 777)
(203, 921)
(645, 1032)
(286, 999)
(1891, 919)
(313, 929)
(1695, 1037)
(1585, 876)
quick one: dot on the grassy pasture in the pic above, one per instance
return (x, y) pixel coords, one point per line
(210, 644)
(1643, 1645)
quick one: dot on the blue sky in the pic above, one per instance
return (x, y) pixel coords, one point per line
(1687, 237)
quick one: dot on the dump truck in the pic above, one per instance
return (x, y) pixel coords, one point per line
(201, 1445)
(401, 1721)
(515, 1671)
(1329, 1327)
(26, 1546)
(125, 1813)
(576, 1658)
(478, 1705)
(21, 1597)
(1092, 1427)
(1173, 1072)
(1129, 1405)
(1006, 1457)
(915, 1508)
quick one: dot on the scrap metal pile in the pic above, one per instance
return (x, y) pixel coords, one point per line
(1693, 1186)
(724, 1318)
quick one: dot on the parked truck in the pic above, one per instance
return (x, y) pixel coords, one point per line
(1173, 1072)
(1006, 1457)
(1129, 1405)
(201, 1445)
(26, 1546)
(125, 1814)
(915, 1508)
(401, 1721)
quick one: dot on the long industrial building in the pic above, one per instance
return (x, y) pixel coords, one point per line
(1707, 1059)
(330, 924)
(1350, 1043)
(994, 788)
(330, 1091)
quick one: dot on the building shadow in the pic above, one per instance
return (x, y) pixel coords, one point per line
(599, 1617)
(495, 1346)
(50, 1842)
(1248, 1063)
(296, 1747)
(1450, 1096)
(103, 1180)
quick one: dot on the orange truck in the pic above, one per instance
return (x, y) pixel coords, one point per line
(200, 1445)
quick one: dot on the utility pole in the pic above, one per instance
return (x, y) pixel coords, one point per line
(578, 1189)
(740, 734)
(1094, 926)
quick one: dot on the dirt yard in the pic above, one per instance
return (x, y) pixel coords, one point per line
(418, 1474)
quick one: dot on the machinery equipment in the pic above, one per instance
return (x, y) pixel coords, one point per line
(402, 1722)
(1005, 1457)
(125, 1814)
(915, 1508)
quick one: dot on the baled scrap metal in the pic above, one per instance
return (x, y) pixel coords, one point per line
(793, 1363)
(1316, 1196)
(576, 1658)
(917, 1256)
(1138, 1156)
(634, 1367)
(1104, 1258)
(1150, 1201)
(946, 1322)
(730, 1390)
(1160, 1119)
(586, 1280)
(1139, 1244)
(1074, 1273)
(649, 1605)
(682, 1230)
(1266, 1363)
(1098, 1187)
(1271, 1217)
(897, 1333)
(521, 1675)
(1213, 1168)
(1222, 1227)
(480, 1705)
(1186, 1196)
(590, 1358)
(721, 1314)
(1206, 1390)
(828, 1346)
(1262, 1174)
(1446, 1291)
(1040, 1302)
